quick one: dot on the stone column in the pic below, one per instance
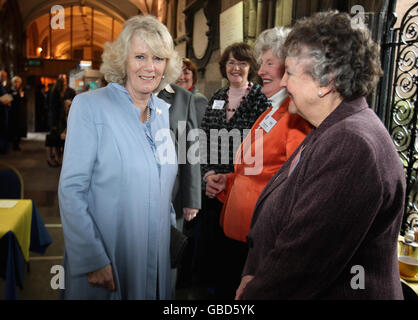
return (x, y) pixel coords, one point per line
(30, 105)
(252, 21)
(261, 19)
(270, 13)
(283, 13)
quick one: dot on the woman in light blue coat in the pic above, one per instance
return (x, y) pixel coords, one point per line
(118, 172)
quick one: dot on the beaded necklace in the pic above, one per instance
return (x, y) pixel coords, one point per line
(242, 99)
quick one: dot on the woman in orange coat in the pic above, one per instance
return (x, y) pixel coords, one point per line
(271, 141)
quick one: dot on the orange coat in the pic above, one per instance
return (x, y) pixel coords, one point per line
(243, 187)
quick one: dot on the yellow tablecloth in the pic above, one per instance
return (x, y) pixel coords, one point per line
(17, 219)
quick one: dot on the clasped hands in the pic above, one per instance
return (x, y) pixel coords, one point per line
(215, 183)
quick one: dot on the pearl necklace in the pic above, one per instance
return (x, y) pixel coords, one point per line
(242, 99)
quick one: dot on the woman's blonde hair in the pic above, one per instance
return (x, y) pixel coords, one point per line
(158, 39)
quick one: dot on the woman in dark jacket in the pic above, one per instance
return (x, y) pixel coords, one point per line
(326, 226)
(17, 113)
(57, 119)
(231, 112)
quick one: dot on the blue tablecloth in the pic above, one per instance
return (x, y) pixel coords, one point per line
(12, 262)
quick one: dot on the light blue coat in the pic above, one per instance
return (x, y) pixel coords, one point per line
(115, 198)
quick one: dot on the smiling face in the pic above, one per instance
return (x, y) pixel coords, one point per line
(237, 72)
(144, 70)
(271, 72)
(186, 78)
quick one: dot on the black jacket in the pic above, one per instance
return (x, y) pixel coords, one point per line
(250, 109)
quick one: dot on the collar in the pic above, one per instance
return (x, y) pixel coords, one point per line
(277, 99)
(121, 88)
(167, 95)
(344, 110)
(169, 89)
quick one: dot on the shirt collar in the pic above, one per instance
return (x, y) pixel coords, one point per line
(151, 102)
(169, 89)
(277, 99)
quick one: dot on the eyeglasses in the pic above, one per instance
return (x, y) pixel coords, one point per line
(233, 64)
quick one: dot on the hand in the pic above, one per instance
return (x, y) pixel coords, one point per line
(189, 213)
(102, 278)
(215, 184)
(207, 174)
(242, 285)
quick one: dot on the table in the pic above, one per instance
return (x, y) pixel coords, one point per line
(21, 230)
(413, 285)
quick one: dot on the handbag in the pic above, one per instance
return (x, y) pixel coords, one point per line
(178, 243)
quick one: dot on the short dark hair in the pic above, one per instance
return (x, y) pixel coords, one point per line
(340, 53)
(189, 65)
(242, 52)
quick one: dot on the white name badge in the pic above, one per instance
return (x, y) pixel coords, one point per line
(218, 104)
(268, 123)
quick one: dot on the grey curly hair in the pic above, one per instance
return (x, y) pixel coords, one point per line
(272, 39)
(158, 39)
(340, 55)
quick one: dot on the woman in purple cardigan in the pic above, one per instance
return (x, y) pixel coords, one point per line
(326, 225)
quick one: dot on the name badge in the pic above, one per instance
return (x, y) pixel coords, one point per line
(218, 104)
(268, 123)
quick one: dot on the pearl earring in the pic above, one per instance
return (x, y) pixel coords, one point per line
(320, 94)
